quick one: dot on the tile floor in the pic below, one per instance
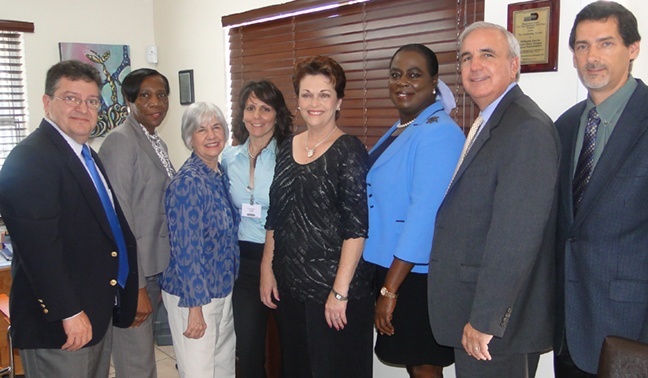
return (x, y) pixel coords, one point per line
(165, 361)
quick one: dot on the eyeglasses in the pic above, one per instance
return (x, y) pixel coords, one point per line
(71, 101)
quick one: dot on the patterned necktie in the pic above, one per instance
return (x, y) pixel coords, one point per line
(585, 159)
(110, 214)
(472, 135)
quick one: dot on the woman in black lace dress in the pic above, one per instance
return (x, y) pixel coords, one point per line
(312, 269)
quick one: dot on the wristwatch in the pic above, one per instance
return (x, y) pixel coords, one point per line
(339, 296)
(386, 293)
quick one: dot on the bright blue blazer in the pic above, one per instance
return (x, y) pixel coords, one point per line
(406, 185)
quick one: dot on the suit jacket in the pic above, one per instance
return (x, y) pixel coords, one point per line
(492, 261)
(603, 251)
(139, 180)
(64, 260)
(406, 185)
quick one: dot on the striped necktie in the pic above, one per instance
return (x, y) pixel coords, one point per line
(585, 159)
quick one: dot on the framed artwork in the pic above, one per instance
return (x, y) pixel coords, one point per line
(113, 63)
(535, 25)
(185, 77)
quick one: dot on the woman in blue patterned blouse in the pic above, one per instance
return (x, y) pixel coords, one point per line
(203, 227)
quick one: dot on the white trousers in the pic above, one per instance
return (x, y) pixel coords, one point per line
(213, 355)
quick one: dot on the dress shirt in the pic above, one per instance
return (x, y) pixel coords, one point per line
(236, 162)
(203, 224)
(609, 111)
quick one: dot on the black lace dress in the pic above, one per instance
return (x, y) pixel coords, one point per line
(314, 207)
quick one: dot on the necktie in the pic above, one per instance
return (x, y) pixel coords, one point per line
(585, 158)
(472, 134)
(110, 214)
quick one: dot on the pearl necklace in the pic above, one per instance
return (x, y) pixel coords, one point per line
(401, 125)
(311, 151)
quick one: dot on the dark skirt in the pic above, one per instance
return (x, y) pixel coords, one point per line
(412, 343)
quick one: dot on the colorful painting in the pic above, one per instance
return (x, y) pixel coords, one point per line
(113, 62)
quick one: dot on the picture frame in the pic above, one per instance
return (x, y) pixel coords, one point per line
(186, 86)
(535, 24)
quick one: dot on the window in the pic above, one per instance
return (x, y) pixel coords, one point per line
(362, 36)
(13, 97)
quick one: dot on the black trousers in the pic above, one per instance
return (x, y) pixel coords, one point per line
(250, 314)
(311, 349)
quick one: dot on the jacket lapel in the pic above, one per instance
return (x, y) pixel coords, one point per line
(484, 134)
(144, 143)
(627, 132)
(80, 173)
(403, 138)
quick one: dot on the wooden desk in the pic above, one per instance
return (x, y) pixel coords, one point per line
(5, 286)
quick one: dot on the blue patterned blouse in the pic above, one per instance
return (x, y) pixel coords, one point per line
(203, 227)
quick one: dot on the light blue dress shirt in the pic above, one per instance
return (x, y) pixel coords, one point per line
(236, 162)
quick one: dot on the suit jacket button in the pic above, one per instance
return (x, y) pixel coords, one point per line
(502, 324)
(43, 305)
(509, 310)
(113, 282)
(113, 254)
(40, 300)
(45, 311)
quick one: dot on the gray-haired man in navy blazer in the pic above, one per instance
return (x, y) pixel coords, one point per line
(602, 243)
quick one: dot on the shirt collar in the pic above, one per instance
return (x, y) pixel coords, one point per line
(76, 146)
(487, 112)
(615, 103)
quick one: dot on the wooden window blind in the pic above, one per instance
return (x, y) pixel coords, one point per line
(13, 97)
(362, 37)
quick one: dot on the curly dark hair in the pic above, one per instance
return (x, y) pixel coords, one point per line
(267, 92)
(72, 70)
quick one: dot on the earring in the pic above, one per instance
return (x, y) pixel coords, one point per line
(434, 91)
(299, 108)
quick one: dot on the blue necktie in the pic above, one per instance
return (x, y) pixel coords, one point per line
(110, 214)
(585, 159)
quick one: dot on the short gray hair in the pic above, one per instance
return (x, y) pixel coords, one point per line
(195, 115)
(513, 44)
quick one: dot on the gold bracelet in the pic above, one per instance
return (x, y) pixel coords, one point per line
(339, 296)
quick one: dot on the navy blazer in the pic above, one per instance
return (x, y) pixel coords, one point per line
(406, 185)
(64, 260)
(603, 252)
(492, 261)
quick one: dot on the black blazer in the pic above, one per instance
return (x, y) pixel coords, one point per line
(63, 246)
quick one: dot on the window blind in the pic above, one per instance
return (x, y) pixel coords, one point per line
(13, 97)
(362, 37)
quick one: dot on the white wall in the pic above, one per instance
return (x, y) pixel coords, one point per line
(90, 21)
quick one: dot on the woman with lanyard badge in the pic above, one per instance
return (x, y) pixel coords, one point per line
(262, 122)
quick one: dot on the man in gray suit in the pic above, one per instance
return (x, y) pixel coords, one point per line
(491, 274)
(603, 208)
(139, 168)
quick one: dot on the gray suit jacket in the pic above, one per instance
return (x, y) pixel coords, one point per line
(492, 260)
(139, 181)
(603, 251)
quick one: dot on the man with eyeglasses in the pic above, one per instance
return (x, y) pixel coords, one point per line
(75, 264)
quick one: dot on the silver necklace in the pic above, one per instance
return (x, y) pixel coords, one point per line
(311, 151)
(401, 125)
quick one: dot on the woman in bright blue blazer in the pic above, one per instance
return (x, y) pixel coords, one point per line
(410, 169)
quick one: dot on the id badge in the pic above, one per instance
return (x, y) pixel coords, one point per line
(251, 211)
